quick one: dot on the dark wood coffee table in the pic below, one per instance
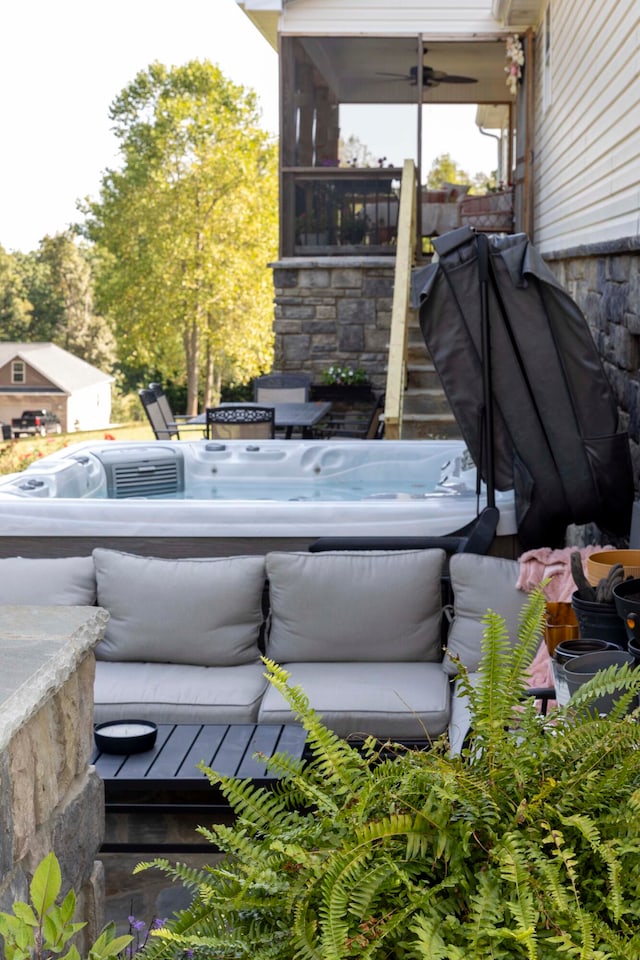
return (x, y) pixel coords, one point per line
(166, 779)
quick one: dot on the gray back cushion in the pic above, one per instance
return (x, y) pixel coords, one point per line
(203, 612)
(355, 606)
(479, 584)
(64, 581)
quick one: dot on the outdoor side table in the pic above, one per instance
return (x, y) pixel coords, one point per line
(166, 779)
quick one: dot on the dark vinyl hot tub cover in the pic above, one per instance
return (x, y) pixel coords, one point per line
(526, 384)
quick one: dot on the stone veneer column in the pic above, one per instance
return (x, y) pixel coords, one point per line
(604, 280)
(333, 310)
(50, 798)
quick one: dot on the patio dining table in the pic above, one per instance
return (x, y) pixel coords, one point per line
(290, 416)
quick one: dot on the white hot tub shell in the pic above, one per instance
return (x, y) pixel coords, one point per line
(275, 489)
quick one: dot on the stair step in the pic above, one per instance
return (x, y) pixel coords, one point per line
(423, 377)
(425, 402)
(436, 427)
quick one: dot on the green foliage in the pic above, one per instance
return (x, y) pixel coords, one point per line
(47, 295)
(15, 306)
(526, 846)
(44, 928)
(344, 375)
(445, 170)
(185, 229)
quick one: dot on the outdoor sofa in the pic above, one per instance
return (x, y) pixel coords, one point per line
(364, 633)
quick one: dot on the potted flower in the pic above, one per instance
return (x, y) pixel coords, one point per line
(343, 383)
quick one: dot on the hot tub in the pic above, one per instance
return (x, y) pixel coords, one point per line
(239, 494)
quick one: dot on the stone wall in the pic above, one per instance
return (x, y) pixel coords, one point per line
(604, 281)
(333, 310)
(49, 796)
(338, 310)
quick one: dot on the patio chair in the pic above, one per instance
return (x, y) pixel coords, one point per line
(282, 388)
(160, 427)
(353, 424)
(236, 421)
(177, 420)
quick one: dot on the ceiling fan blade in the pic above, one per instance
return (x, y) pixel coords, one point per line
(395, 76)
(452, 78)
(432, 77)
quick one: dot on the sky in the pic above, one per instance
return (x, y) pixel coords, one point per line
(63, 62)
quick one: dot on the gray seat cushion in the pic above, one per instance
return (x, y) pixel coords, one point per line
(479, 584)
(178, 693)
(459, 723)
(203, 611)
(59, 581)
(347, 606)
(401, 701)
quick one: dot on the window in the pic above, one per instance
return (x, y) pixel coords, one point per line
(18, 371)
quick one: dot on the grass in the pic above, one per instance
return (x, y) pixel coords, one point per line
(16, 455)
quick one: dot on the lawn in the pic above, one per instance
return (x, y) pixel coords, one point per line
(15, 455)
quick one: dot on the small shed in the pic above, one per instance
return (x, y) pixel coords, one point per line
(44, 376)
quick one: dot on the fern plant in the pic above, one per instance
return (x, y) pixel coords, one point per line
(526, 845)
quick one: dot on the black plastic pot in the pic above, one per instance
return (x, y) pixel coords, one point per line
(569, 650)
(626, 597)
(600, 620)
(581, 669)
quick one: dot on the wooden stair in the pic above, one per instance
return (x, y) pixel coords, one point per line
(426, 412)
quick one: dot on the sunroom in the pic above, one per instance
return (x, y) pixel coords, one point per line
(395, 72)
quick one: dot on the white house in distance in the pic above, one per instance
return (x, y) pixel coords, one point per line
(44, 376)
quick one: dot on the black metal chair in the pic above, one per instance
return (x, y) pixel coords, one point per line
(353, 424)
(175, 422)
(236, 421)
(282, 388)
(160, 427)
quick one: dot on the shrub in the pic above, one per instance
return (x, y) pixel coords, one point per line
(44, 928)
(526, 845)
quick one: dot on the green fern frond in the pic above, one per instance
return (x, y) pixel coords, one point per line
(258, 806)
(512, 857)
(622, 680)
(342, 873)
(191, 877)
(493, 700)
(334, 757)
(371, 885)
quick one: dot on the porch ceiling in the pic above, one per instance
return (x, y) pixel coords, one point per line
(376, 69)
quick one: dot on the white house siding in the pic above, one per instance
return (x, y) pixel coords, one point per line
(587, 143)
(388, 17)
(90, 408)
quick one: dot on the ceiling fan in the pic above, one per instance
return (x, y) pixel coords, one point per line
(430, 77)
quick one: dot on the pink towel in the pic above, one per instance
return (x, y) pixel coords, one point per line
(539, 564)
(535, 566)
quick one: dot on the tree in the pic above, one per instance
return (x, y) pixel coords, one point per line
(59, 282)
(353, 152)
(185, 229)
(15, 307)
(445, 170)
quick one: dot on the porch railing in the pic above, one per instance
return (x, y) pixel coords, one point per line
(345, 211)
(340, 210)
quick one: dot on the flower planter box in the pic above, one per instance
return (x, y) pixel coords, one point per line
(342, 392)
